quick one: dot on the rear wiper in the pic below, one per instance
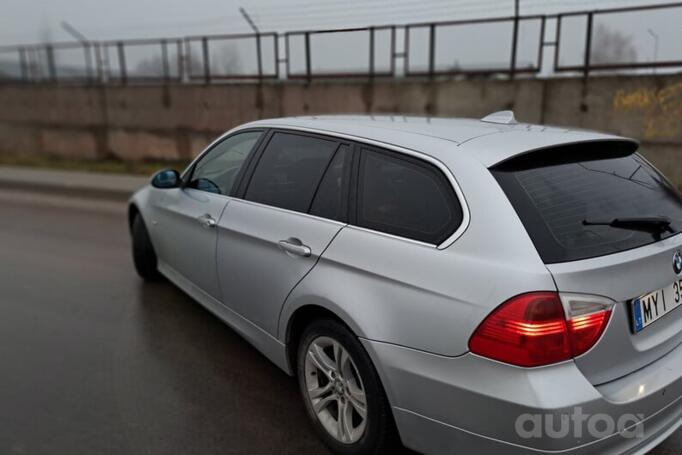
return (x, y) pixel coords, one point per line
(655, 225)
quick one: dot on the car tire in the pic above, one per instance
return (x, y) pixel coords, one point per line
(379, 434)
(144, 256)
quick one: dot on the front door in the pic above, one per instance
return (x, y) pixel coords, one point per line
(186, 228)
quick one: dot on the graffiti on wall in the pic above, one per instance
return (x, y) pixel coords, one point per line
(661, 107)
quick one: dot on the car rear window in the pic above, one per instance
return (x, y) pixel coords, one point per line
(555, 191)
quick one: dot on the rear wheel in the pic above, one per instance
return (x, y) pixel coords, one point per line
(144, 256)
(342, 391)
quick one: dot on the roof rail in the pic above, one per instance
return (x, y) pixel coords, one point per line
(503, 117)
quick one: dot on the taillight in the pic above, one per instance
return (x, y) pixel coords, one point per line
(540, 328)
(587, 317)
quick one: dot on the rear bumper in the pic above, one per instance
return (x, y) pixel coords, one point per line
(468, 403)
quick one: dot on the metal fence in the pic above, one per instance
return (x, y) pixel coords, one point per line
(575, 42)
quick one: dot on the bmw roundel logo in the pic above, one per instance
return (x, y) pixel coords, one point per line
(677, 262)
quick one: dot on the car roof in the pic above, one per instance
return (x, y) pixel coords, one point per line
(488, 142)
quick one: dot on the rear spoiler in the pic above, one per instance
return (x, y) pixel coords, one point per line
(568, 153)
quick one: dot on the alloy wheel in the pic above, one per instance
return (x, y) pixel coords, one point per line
(335, 390)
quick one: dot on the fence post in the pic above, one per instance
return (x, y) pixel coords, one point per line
(371, 53)
(207, 63)
(541, 48)
(259, 56)
(432, 50)
(308, 72)
(24, 64)
(287, 49)
(99, 71)
(88, 62)
(406, 51)
(277, 59)
(588, 45)
(557, 39)
(186, 70)
(178, 46)
(51, 68)
(164, 58)
(307, 56)
(393, 51)
(515, 42)
(122, 63)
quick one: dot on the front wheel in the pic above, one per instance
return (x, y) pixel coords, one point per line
(144, 256)
(342, 391)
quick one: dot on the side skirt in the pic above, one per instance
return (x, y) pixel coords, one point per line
(268, 345)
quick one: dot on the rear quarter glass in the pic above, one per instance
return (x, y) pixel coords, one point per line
(554, 190)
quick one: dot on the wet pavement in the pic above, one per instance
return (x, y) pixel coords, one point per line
(94, 361)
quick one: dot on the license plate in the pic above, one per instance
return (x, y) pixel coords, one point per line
(651, 307)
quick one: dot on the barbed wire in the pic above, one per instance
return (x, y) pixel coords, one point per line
(315, 14)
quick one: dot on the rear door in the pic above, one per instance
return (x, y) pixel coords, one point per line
(568, 198)
(292, 206)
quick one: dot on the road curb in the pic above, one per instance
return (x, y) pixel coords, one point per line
(81, 191)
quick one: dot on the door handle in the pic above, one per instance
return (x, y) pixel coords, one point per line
(295, 246)
(207, 221)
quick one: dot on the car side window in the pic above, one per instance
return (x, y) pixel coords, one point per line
(217, 170)
(331, 197)
(289, 171)
(406, 197)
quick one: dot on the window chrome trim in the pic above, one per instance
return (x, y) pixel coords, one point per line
(293, 212)
(393, 236)
(231, 199)
(466, 217)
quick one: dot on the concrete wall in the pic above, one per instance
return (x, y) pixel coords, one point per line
(172, 122)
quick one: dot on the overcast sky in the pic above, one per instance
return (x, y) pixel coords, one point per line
(27, 21)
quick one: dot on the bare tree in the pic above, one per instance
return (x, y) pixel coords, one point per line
(150, 67)
(45, 32)
(194, 65)
(38, 63)
(225, 60)
(612, 46)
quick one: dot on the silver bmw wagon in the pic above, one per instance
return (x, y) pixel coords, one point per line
(453, 286)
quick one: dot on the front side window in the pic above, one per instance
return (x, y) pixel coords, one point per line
(217, 170)
(406, 197)
(290, 170)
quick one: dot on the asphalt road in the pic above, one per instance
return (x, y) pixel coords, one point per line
(93, 361)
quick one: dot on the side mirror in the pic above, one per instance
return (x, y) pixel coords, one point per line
(168, 178)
